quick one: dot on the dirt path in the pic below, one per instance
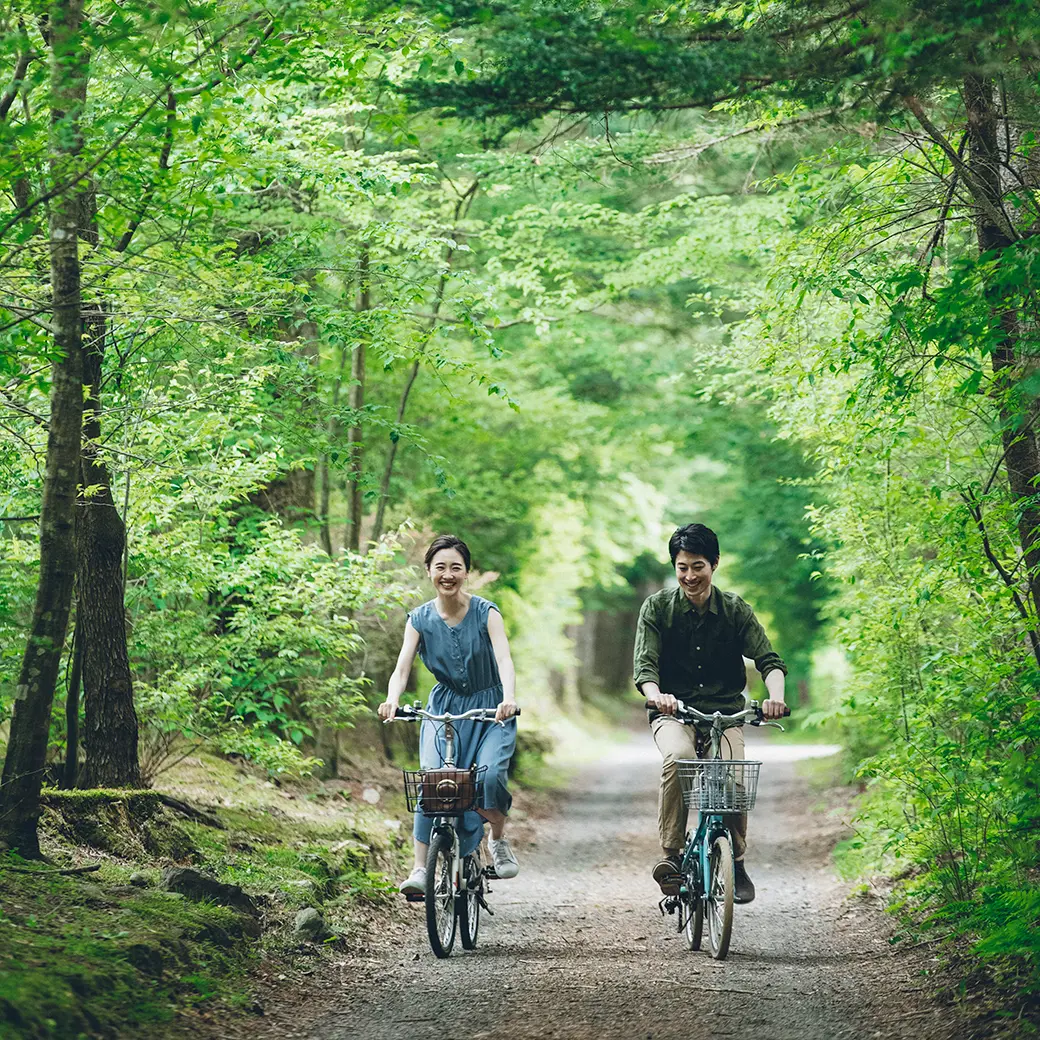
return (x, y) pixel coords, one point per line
(577, 949)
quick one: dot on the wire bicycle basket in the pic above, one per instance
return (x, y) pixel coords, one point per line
(444, 792)
(719, 785)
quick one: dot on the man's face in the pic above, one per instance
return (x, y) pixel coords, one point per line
(694, 573)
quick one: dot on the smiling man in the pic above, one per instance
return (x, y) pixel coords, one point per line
(691, 642)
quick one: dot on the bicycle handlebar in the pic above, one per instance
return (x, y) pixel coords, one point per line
(407, 713)
(752, 714)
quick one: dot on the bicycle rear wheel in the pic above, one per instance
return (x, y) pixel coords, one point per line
(469, 903)
(440, 894)
(720, 897)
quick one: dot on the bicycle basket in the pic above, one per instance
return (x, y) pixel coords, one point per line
(719, 785)
(444, 792)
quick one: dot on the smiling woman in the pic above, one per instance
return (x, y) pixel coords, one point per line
(462, 640)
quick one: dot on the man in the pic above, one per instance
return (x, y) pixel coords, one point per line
(691, 642)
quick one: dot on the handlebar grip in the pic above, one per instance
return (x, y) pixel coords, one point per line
(517, 712)
(404, 713)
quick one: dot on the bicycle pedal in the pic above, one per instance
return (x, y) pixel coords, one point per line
(415, 898)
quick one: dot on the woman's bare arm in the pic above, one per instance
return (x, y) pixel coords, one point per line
(399, 680)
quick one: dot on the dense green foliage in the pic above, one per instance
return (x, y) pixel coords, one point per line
(557, 276)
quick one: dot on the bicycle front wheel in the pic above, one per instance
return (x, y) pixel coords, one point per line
(440, 894)
(720, 897)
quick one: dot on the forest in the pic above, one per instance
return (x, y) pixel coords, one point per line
(288, 288)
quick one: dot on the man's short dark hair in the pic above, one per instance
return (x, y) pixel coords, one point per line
(696, 539)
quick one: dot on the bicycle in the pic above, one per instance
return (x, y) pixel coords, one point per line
(456, 886)
(717, 787)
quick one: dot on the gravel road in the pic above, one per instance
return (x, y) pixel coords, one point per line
(578, 949)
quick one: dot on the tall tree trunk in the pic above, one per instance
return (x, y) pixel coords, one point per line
(30, 723)
(1021, 455)
(110, 719)
(71, 772)
(357, 402)
(388, 470)
(331, 430)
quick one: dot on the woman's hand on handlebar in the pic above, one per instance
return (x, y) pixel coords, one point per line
(506, 710)
(387, 709)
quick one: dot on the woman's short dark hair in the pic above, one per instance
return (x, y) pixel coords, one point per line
(447, 541)
(696, 539)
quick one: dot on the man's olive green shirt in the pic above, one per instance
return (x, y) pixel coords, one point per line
(699, 657)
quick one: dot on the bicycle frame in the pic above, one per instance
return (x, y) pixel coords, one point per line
(711, 825)
(444, 825)
(696, 856)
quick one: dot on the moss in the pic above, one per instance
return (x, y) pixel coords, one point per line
(132, 824)
(74, 966)
(93, 956)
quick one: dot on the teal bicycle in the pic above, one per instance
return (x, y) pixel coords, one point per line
(718, 788)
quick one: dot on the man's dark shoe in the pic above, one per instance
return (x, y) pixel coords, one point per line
(668, 874)
(744, 890)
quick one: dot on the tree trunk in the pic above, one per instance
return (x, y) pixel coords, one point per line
(110, 720)
(331, 430)
(388, 471)
(357, 402)
(30, 722)
(1021, 455)
(71, 772)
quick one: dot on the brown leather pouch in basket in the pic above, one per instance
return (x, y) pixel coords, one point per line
(447, 791)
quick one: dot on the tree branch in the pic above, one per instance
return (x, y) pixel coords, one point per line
(975, 510)
(75, 178)
(25, 59)
(164, 165)
(694, 150)
(982, 199)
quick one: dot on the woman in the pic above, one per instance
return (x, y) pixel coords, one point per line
(462, 641)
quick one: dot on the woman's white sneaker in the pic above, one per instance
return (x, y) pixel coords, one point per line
(503, 858)
(415, 883)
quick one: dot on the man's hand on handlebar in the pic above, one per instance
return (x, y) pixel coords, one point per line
(665, 703)
(387, 709)
(773, 709)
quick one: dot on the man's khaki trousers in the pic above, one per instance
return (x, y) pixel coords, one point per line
(676, 741)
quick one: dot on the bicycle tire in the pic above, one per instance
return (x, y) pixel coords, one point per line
(693, 926)
(720, 897)
(441, 918)
(469, 913)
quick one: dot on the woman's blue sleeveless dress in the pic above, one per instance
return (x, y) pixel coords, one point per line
(462, 660)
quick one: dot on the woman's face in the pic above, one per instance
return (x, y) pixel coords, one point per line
(447, 571)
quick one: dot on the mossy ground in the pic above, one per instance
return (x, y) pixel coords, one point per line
(85, 956)
(91, 955)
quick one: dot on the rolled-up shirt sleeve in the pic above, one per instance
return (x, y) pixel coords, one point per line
(648, 647)
(755, 645)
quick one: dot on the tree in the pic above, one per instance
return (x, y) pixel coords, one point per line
(30, 723)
